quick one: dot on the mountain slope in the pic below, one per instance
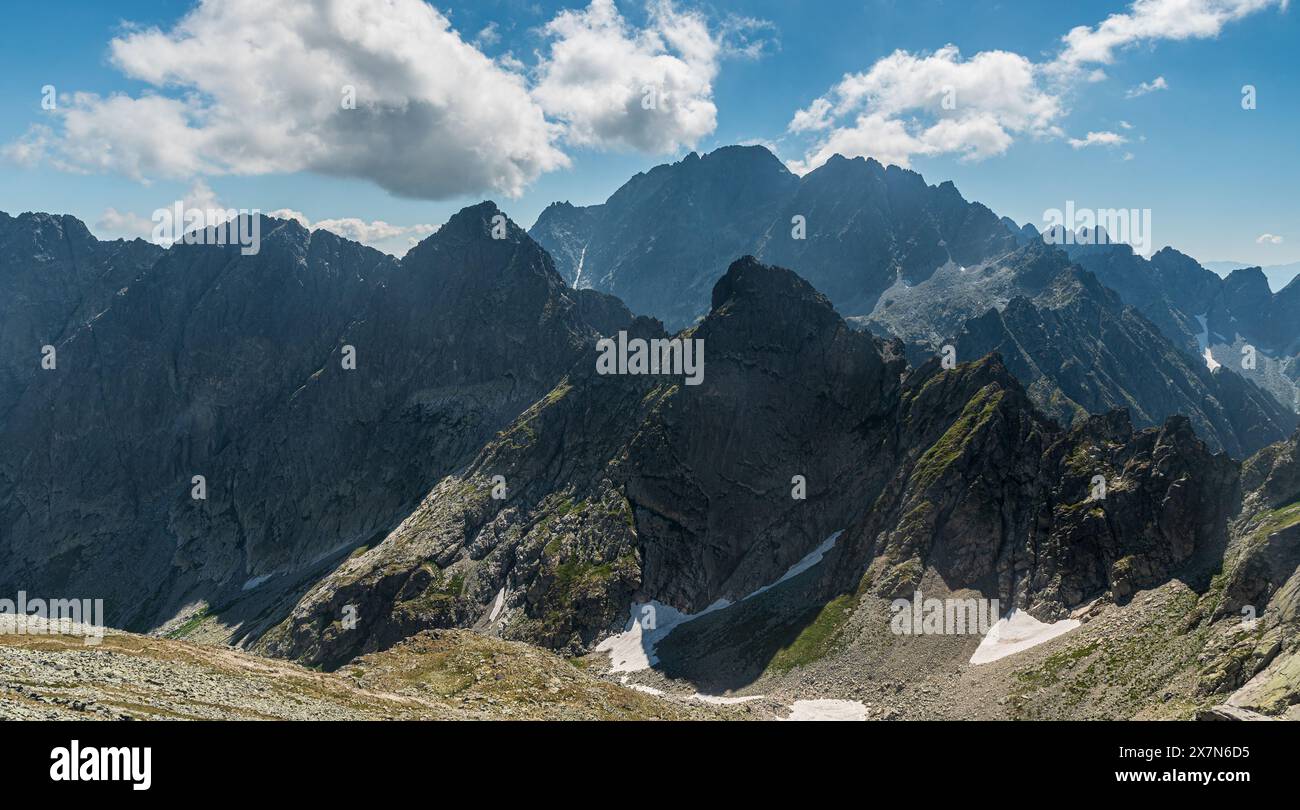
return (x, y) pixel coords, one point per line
(452, 675)
(1224, 320)
(851, 228)
(639, 488)
(906, 259)
(232, 367)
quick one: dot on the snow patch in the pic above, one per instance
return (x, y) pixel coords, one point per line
(810, 559)
(253, 582)
(827, 709)
(721, 700)
(497, 605)
(1203, 341)
(582, 259)
(1017, 632)
(634, 649)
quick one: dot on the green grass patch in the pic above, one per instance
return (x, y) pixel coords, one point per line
(191, 624)
(817, 638)
(954, 441)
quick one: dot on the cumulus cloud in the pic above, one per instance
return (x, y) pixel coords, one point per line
(254, 92)
(199, 198)
(975, 108)
(611, 85)
(1268, 239)
(115, 224)
(1158, 83)
(896, 110)
(1149, 21)
(1098, 139)
(391, 93)
(394, 239)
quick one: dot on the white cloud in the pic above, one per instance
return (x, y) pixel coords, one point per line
(815, 117)
(615, 86)
(1125, 125)
(488, 36)
(1149, 21)
(1268, 239)
(1158, 83)
(235, 90)
(1098, 139)
(257, 92)
(894, 111)
(393, 239)
(114, 224)
(199, 198)
(744, 37)
(30, 149)
(975, 107)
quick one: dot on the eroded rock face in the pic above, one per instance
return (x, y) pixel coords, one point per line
(476, 470)
(233, 367)
(56, 276)
(637, 486)
(850, 228)
(1199, 311)
(1078, 349)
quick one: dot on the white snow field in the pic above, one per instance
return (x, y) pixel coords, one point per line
(1017, 632)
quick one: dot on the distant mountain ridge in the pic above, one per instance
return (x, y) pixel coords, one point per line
(209, 363)
(476, 470)
(1228, 319)
(851, 227)
(916, 261)
(1278, 275)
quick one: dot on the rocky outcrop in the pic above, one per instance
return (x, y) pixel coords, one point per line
(56, 276)
(636, 486)
(321, 388)
(1198, 311)
(850, 227)
(1080, 351)
(909, 260)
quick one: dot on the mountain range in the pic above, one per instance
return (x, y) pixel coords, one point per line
(321, 452)
(906, 259)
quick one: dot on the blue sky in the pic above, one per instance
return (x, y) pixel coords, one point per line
(1216, 177)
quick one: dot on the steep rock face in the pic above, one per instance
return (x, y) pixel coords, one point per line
(232, 367)
(869, 227)
(637, 486)
(789, 391)
(1004, 503)
(1080, 351)
(905, 259)
(1076, 347)
(661, 241)
(55, 276)
(1253, 653)
(1202, 313)
(623, 484)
